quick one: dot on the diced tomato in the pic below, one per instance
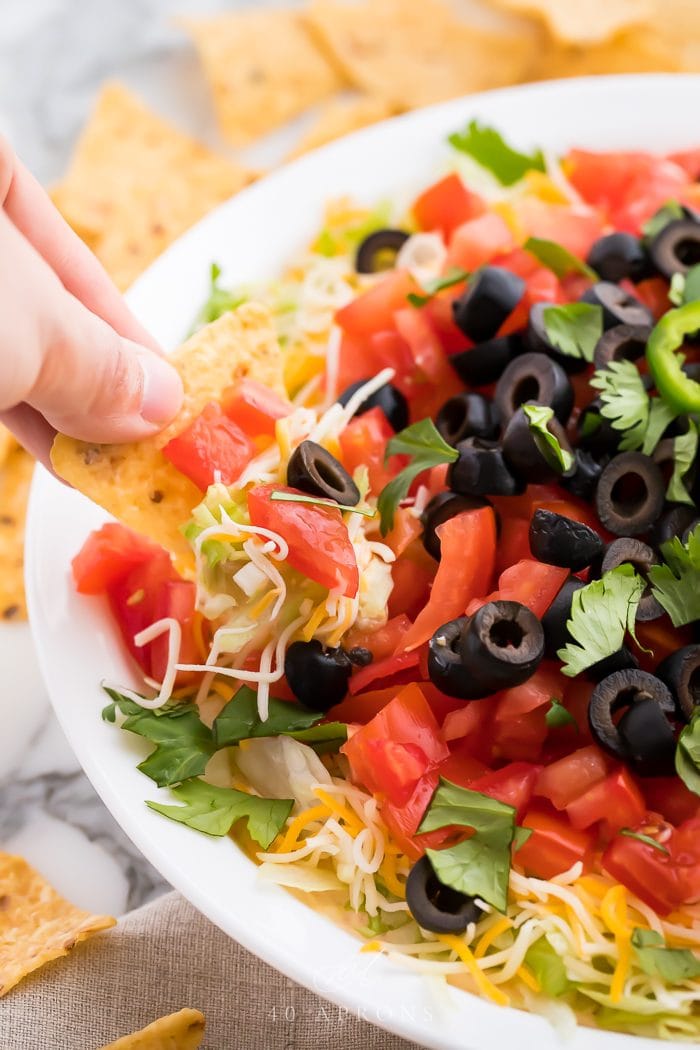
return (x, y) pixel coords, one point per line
(435, 378)
(380, 670)
(477, 241)
(445, 205)
(403, 820)
(542, 286)
(512, 784)
(319, 545)
(664, 880)
(513, 543)
(211, 444)
(468, 553)
(363, 443)
(574, 226)
(689, 160)
(383, 641)
(254, 407)
(362, 708)
(519, 721)
(554, 846)
(440, 703)
(175, 600)
(530, 582)
(108, 555)
(653, 293)
(671, 798)
(374, 310)
(438, 310)
(616, 800)
(413, 577)
(570, 777)
(406, 528)
(460, 766)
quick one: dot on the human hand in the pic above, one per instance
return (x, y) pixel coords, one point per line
(72, 356)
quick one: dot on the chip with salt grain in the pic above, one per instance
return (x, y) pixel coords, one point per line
(263, 69)
(135, 482)
(594, 22)
(136, 183)
(414, 52)
(36, 924)
(339, 117)
(15, 479)
(183, 1030)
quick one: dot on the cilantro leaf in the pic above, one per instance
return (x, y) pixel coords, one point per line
(479, 866)
(677, 289)
(601, 612)
(538, 417)
(660, 415)
(624, 401)
(548, 967)
(488, 148)
(646, 839)
(671, 964)
(520, 837)
(558, 716)
(220, 300)
(574, 329)
(277, 496)
(557, 258)
(688, 755)
(427, 448)
(676, 583)
(667, 213)
(453, 276)
(184, 744)
(685, 447)
(214, 811)
(240, 720)
(691, 288)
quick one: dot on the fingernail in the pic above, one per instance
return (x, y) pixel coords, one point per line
(162, 390)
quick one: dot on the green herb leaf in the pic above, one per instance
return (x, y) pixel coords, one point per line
(220, 300)
(292, 497)
(676, 583)
(677, 289)
(691, 288)
(685, 447)
(574, 329)
(660, 415)
(548, 967)
(184, 744)
(646, 839)
(557, 258)
(520, 837)
(624, 400)
(427, 448)
(453, 276)
(240, 720)
(558, 716)
(688, 754)
(558, 458)
(671, 964)
(479, 866)
(488, 148)
(669, 212)
(214, 811)
(601, 612)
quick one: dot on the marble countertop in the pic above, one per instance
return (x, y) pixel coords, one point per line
(54, 54)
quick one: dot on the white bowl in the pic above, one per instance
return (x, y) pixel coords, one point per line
(252, 236)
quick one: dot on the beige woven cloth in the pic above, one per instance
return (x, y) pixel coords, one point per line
(161, 958)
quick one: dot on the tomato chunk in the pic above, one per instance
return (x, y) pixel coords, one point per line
(664, 880)
(616, 800)
(374, 310)
(530, 582)
(512, 784)
(477, 241)
(570, 777)
(211, 444)
(554, 845)
(446, 205)
(108, 555)
(363, 443)
(254, 407)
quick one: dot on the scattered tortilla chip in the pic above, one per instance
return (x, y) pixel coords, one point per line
(339, 117)
(263, 69)
(36, 924)
(136, 183)
(181, 1031)
(636, 51)
(594, 22)
(414, 52)
(676, 26)
(135, 482)
(15, 479)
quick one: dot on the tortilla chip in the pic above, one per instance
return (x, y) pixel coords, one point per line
(181, 1031)
(637, 51)
(136, 183)
(676, 26)
(263, 69)
(7, 444)
(36, 924)
(414, 52)
(135, 482)
(15, 479)
(594, 22)
(339, 117)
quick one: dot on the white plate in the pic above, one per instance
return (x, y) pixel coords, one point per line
(252, 236)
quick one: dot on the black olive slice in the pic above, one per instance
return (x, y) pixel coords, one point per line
(467, 415)
(623, 342)
(441, 508)
(628, 550)
(485, 362)
(673, 522)
(676, 248)
(585, 475)
(359, 656)
(318, 677)
(313, 469)
(490, 297)
(619, 307)
(527, 455)
(630, 494)
(623, 660)
(436, 907)
(501, 646)
(534, 377)
(554, 621)
(619, 255)
(537, 341)
(619, 692)
(648, 738)
(561, 541)
(445, 667)
(390, 400)
(480, 470)
(378, 250)
(681, 673)
(594, 432)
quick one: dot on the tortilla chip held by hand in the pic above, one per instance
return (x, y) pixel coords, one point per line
(134, 481)
(183, 1030)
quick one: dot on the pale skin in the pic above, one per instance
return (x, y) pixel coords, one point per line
(73, 357)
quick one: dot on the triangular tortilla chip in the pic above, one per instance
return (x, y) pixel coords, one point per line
(181, 1031)
(339, 117)
(594, 22)
(135, 482)
(15, 479)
